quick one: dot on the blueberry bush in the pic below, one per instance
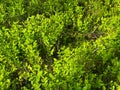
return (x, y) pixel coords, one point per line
(59, 45)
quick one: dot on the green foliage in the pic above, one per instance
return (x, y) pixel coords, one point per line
(59, 45)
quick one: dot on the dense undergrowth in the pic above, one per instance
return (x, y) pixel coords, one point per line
(59, 44)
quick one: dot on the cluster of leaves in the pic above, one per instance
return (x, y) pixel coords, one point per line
(59, 45)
